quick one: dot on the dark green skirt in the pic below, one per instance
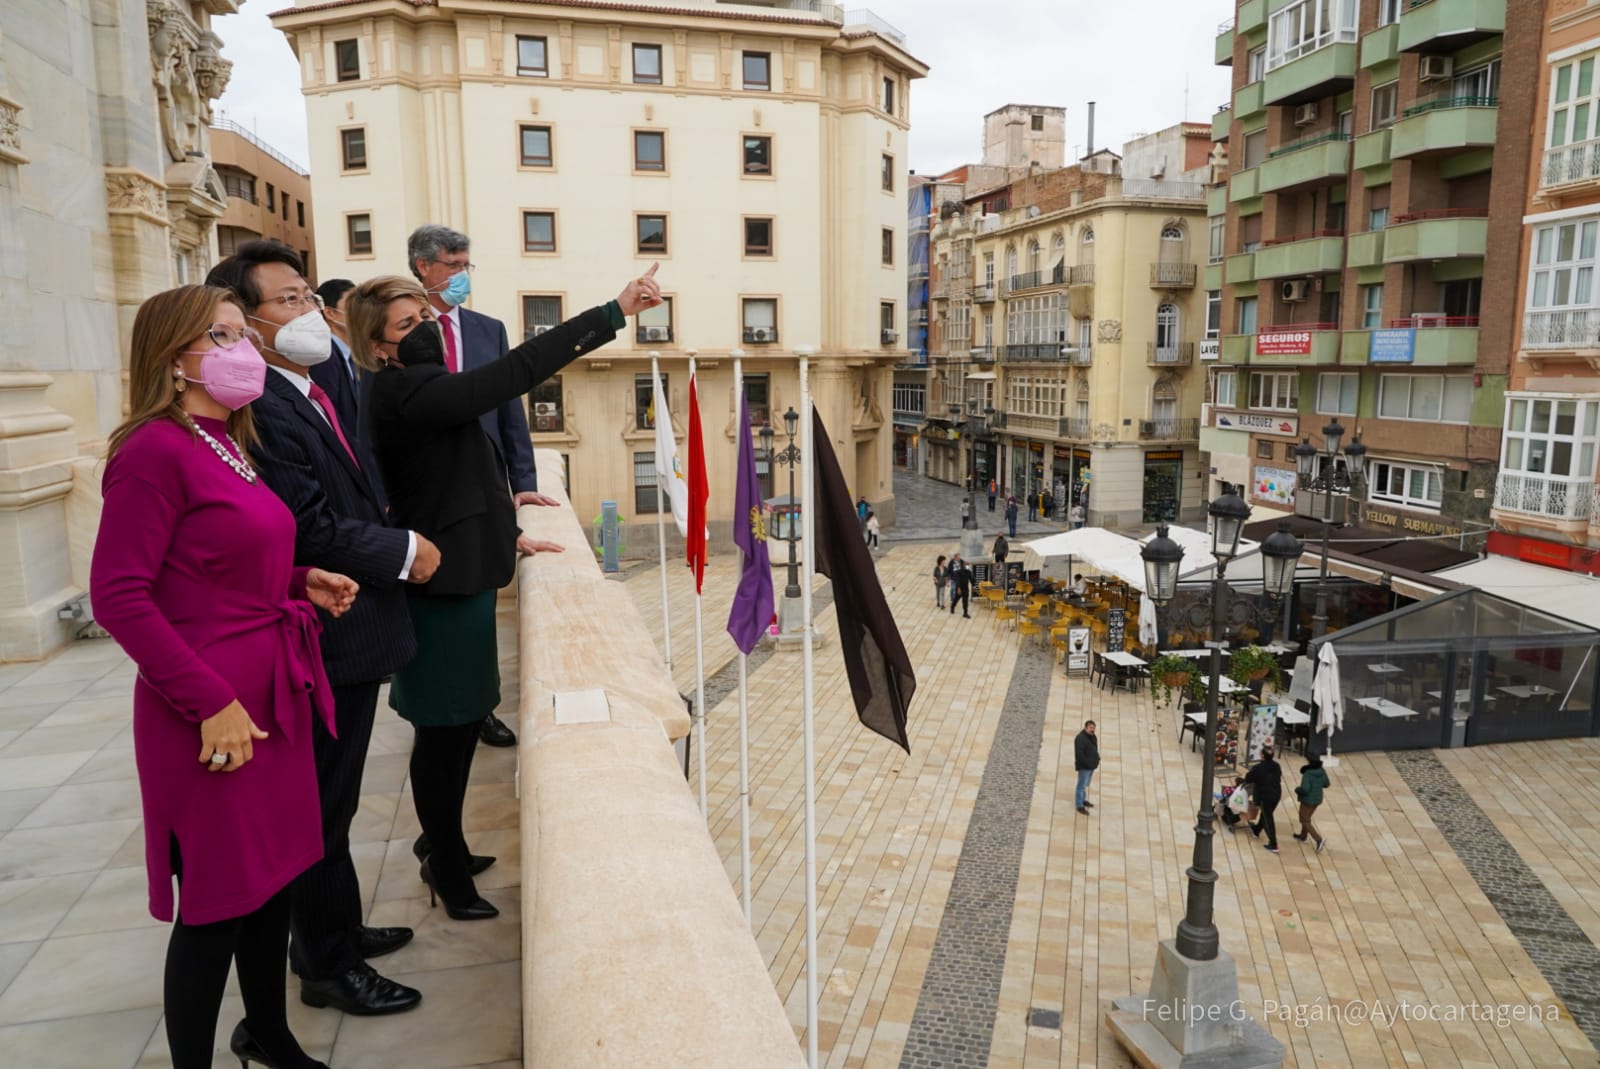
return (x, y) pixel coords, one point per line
(455, 676)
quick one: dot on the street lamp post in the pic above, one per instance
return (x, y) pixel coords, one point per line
(1193, 1010)
(790, 612)
(1305, 460)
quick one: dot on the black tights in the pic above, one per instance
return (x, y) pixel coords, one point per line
(198, 956)
(441, 759)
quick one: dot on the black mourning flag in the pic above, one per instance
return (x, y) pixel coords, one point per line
(881, 678)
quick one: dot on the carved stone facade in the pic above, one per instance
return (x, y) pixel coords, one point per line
(104, 162)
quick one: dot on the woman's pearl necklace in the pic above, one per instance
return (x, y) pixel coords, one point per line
(245, 471)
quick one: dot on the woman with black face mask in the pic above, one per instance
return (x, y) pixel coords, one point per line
(444, 481)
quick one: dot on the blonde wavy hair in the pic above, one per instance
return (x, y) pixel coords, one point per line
(366, 312)
(165, 325)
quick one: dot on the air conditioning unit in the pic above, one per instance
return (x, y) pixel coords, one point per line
(1305, 114)
(890, 337)
(1295, 289)
(544, 408)
(1435, 68)
(1147, 428)
(657, 333)
(758, 334)
(538, 329)
(546, 424)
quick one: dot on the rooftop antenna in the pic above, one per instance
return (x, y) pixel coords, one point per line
(1186, 97)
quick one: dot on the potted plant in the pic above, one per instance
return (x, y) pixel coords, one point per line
(1170, 676)
(1249, 663)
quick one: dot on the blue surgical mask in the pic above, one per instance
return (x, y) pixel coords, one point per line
(458, 289)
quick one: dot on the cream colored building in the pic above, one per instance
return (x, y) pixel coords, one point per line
(757, 152)
(107, 195)
(1067, 318)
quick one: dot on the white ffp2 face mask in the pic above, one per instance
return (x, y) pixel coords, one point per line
(305, 339)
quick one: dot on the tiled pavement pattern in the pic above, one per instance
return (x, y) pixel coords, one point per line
(927, 509)
(954, 1021)
(1566, 956)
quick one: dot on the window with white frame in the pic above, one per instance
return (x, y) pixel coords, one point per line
(1246, 308)
(988, 269)
(1213, 313)
(1385, 105)
(1378, 218)
(1388, 12)
(1080, 404)
(1028, 395)
(1412, 486)
(1275, 391)
(1256, 64)
(1218, 246)
(959, 332)
(1164, 403)
(1372, 306)
(1481, 82)
(910, 397)
(1166, 327)
(1429, 398)
(1574, 103)
(1307, 25)
(1561, 292)
(1550, 436)
(1085, 338)
(1225, 389)
(1036, 320)
(1336, 394)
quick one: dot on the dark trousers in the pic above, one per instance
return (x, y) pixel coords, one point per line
(1268, 823)
(960, 595)
(441, 759)
(1011, 524)
(198, 956)
(326, 909)
(991, 502)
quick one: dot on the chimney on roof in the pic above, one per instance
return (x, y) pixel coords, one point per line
(1089, 151)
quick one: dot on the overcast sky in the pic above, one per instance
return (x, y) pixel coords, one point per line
(1146, 62)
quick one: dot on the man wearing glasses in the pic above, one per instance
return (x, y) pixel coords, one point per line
(438, 258)
(325, 478)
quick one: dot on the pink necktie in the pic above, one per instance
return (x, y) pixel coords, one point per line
(320, 396)
(451, 363)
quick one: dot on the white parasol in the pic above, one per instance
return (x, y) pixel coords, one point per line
(1328, 696)
(1147, 621)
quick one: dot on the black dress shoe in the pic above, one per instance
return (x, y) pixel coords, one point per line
(476, 863)
(360, 993)
(247, 1050)
(495, 733)
(376, 942)
(479, 909)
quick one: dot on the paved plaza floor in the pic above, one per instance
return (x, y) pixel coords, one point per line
(961, 896)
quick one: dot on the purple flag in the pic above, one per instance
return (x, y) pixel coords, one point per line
(752, 601)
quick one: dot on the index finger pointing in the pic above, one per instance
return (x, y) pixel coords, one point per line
(652, 272)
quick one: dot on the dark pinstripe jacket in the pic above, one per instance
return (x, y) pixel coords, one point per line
(340, 526)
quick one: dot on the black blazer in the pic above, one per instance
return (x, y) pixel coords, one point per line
(339, 525)
(443, 474)
(349, 398)
(483, 338)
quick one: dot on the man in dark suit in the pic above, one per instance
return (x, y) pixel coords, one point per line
(438, 258)
(322, 475)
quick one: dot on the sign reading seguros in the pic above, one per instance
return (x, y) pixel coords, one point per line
(1283, 343)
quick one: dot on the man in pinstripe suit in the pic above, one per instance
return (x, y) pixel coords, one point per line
(322, 475)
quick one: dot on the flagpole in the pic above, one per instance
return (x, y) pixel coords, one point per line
(661, 526)
(699, 664)
(807, 529)
(744, 689)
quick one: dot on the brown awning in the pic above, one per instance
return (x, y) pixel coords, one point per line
(1413, 555)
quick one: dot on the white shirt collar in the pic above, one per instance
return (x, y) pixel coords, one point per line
(301, 382)
(454, 315)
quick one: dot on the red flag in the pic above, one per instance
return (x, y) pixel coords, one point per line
(699, 494)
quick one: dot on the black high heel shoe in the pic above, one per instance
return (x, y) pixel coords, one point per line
(476, 910)
(476, 863)
(247, 1050)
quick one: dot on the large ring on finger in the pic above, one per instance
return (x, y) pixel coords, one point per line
(219, 758)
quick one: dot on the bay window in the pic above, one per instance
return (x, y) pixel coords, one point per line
(1302, 28)
(1563, 311)
(1547, 460)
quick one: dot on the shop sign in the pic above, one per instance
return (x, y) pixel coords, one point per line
(1415, 524)
(1210, 348)
(1063, 452)
(1261, 423)
(1175, 454)
(1393, 346)
(1274, 485)
(1284, 343)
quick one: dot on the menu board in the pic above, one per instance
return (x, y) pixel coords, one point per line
(1263, 723)
(1013, 576)
(1077, 651)
(1116, 623)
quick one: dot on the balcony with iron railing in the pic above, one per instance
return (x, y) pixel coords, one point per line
(981, 354)
(1169, 430)
(1167, 275)
(1035, 353)
(1571, 169)
(1030, 280)
(983, 294)
(1562, 329)
(1080, 275)
(1564, 499)
(1320, 159)
(234, 128)
(1444, 125)
(1178, 354)
(1222, 54)
(1074, 428)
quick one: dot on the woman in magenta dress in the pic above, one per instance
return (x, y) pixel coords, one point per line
(193, 576)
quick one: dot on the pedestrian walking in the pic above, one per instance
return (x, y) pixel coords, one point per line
(1313, 781)
(960, 586)
(1086, 758)
(941, 577)
(966, 511)
(1047, 505)
(993, 490)
(1033, 507)
(1001, 549)
(872, 529)
(1266, 788)
(1011, 516)
(861, 514)
(1077, 515)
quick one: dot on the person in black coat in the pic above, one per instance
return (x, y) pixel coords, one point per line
(444, 478)
(1265, 781)
(1085, 758)
(307, 457)
(960, 585)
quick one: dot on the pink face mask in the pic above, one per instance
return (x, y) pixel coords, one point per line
(234, 376)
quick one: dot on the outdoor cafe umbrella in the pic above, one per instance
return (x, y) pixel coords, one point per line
(1326, 693)
(1147, 621)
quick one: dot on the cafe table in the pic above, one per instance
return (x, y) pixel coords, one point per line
(1385, 707)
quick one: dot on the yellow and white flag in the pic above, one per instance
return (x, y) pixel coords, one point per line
(669, 468)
